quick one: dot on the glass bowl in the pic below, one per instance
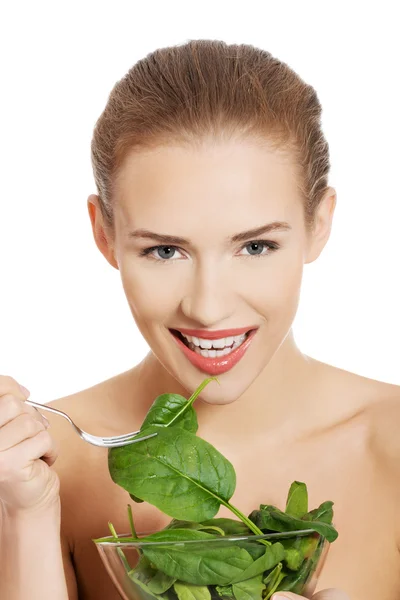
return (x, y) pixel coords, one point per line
(147, 570)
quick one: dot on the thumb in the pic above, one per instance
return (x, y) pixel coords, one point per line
(331, 594)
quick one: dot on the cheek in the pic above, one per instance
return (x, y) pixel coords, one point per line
(274, 291)
(149, 290)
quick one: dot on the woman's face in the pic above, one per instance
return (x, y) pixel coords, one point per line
(210, 243)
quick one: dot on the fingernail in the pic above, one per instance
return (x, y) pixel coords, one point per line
(25, 391)
(279, 597)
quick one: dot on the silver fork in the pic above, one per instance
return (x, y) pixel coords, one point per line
(104, 442)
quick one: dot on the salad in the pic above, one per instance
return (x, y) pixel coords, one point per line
(188, 479)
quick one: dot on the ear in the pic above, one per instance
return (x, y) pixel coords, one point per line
(101, 235)
(319, 235)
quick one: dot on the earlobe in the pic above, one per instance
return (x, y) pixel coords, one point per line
(319, 236)
(103, 242)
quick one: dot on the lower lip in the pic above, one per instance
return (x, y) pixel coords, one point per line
(216, 366)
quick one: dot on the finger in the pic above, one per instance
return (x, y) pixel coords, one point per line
(19, 429)
(328, 594)
(45, 447)
(43, 419)
(331, 594)
(41, 446)
(287, 596)
(8, 385)
(11, 407)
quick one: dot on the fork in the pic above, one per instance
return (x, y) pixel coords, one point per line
(104, 442)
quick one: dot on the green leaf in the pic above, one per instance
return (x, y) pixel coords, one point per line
(145, 593)
(181, 474)
(160, 583)
(295, 582)
(187, 591)
(297, 500)
(181, 524)
(200, 564)
(323, 513)
(229, 526)
(165, 408)
(273, 580)
(141, 575)
(272, 556)
(143, 571)
(138, 500)
(271, 518)
(293, 559)
(306, 546)
(224, 591)
(251, 589)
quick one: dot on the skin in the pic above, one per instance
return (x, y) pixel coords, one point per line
(279, 415)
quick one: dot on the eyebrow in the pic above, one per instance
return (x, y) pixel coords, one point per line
(238, 237)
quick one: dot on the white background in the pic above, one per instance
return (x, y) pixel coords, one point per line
(64, 321)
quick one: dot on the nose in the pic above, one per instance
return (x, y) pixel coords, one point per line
(209, 298)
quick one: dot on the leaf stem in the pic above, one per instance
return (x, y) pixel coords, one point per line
(112, 529)
(131, 523)
(119, 550)
(192, 398)
(252, 526)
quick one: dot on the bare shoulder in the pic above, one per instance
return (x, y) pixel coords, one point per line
(91, 408)
(79, 465)
(384, 417)
(376, 406)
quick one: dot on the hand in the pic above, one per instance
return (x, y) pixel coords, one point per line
(26, 452)
(330, 594)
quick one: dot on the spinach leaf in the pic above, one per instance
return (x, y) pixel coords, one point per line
(186, 591)
(141, 575)
(297, 500)
(165, 408)
(145, 593)
(305, 547)
(199, 564)
(135, 499)
(273, 580)
(180, 524)
(323, 513)
(251, 589)
(173, 409)
(272, 556)
(224, 591)
(160, 583)
(176, 471)
(143, 570)
(229, 526)
(271, 518)
(293, 559)
(296, 581)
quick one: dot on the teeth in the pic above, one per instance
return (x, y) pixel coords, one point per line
(215, 348)
(220, 344)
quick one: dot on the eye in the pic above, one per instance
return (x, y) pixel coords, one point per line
(259, 248)
(161, 253)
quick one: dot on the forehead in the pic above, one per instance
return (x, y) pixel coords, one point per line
(236, 179)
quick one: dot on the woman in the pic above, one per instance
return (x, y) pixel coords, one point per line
(212, 194)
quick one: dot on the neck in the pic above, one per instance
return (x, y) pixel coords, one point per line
(278, 397)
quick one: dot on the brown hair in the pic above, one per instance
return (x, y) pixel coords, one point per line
(205, 88)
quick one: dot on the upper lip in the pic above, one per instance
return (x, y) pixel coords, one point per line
(214, 334)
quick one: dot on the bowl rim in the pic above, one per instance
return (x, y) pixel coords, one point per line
(106, 541)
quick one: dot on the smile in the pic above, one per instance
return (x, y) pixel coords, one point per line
(214, 352)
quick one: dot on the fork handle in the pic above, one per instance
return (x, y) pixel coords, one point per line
(46, 407)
